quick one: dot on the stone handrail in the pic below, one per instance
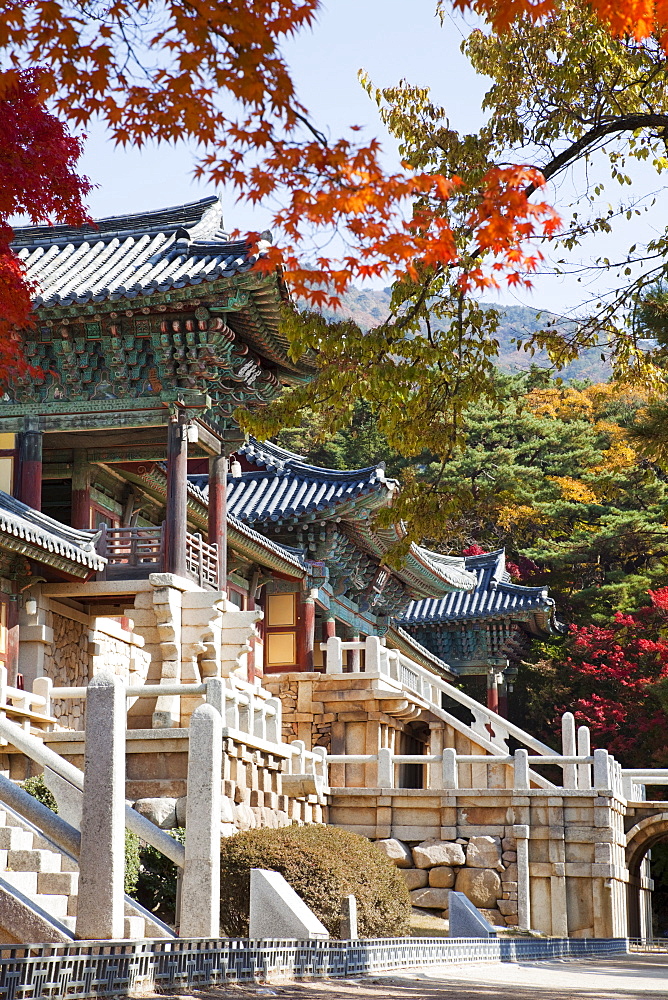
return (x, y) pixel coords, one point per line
(607, 772)
(34, 748)
(241, 709)
(391, 663)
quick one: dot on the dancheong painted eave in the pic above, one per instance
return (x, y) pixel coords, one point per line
(148, 259)
(494, 596)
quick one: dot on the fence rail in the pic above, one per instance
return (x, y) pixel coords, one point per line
(102, 969)
(138, 551)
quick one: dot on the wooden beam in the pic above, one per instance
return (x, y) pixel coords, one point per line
(176, 520)
(218, 513)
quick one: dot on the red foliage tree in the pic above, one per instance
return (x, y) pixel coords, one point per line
(618, 676)
(37, 166)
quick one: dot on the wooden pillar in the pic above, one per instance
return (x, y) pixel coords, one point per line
(306, 633)
(30, 466)
(503, 697)
(80, 490)
(217, 529)
(492, 691)
(176, 521)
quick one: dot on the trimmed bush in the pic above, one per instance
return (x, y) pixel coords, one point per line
(36, 786)
(157, 878)
(323, 864)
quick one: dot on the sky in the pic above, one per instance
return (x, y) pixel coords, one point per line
(391, 40)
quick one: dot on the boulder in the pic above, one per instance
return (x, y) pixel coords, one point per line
(415, 878)
(494, 917)
(507, 906)
(509, 844)
(162, 812)
(483, 852)
(481, 885)
(510, 874)
(509, 856)
(442, 877)
(431, 899)
(433, 853)
(396, 851)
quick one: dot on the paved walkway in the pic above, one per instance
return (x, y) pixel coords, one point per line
(628, 977)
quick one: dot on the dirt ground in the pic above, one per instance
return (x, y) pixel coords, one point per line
(628, 977)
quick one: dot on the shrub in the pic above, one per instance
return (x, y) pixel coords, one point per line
(156, 882)
(322, 864)
(36, 786)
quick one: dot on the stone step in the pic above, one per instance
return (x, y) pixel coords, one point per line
(12, 838)
(65, 883)
(135, 928)
(54, 904)
(68, 864)
(69, 922)
(33, 861)
(24, 881)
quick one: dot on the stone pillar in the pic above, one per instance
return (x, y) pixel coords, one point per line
(306, 633)
(584, 750)
(217, 532)
(100, 907)
(200, 892)
(521, 834)
(80, 490)
(568, 749)
(328, 632)
(176, 520)
(29, 477)
(354, 657)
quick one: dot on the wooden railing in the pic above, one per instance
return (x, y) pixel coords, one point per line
(135, 552)
(202, 561)
(131, 552)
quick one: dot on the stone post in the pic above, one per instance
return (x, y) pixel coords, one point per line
(334, 655)
(602, 775)
(100, 907)
(568, 749)
(584, 750)
(449, 765)
(372, 655)
(521, 769)
(200, 893)
(349, 919)
(385, 777)
(354, 657)
(521, 834)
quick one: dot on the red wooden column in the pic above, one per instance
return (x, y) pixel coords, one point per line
(176, 520)
(217, 529)
(29, 479)
(492, 691)
(306, 633)
(80, 491)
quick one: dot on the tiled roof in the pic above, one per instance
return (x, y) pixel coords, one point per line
(295, 557)
(494, 596)
(288, 489)
(130, 255)
(33, 530)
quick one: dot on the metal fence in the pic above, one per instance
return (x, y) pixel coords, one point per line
(97, 969)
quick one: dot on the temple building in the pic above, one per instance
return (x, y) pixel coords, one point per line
(487, 630)
(143, 536)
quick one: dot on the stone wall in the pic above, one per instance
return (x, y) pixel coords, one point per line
(483, 868)
(67, 662)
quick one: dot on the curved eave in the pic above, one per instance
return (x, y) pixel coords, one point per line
(540, 622)
(37, 536)
(257, 548)
(437, 575)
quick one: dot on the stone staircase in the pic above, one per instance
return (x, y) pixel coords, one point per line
(42, 879)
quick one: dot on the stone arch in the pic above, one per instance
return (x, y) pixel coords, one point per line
(639, 840)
